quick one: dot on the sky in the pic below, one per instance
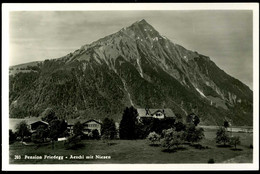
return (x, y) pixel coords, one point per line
(225, 35)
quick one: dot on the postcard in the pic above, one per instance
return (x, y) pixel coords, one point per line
(166, 86)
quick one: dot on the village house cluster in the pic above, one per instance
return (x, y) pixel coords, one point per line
(92, 124)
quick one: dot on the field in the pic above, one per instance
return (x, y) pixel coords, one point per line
(136, 151)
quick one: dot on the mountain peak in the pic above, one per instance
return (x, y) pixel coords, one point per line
(144, 28)
(141, 22)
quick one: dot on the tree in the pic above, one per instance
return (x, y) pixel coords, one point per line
(154, 138)
(179, 126)
(178, 116)
(226, 124)
(196, 120)
(41, 134)
(58, 128)
(22, 129)
(222, 136)
(172, 138)
(108, 130)
(192, 119)
(235, 141)
(128, 124)
(12, 136)
(193, 134)
(95, 134)
(78, 128)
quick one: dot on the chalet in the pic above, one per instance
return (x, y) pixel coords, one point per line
(33, 122)
(154, 113)
(92, 125)
(88, 125)
(33, 126)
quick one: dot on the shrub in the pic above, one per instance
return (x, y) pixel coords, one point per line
(172, 138)
(251, 146)
(226, 124)
(179, 126)
(94, 134)
(147, 125)
(193, 134)
(154, 138)
(192, 119)
(211, 161)
(222, 136)
(235, 141)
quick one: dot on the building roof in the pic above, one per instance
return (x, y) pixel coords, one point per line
(99, 122)
(41, 122)
(142, 112)
(29, 120)
(74, 121)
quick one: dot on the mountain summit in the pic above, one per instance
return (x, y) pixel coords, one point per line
(134, 66)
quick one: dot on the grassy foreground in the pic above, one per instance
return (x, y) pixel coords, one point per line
(135, 151)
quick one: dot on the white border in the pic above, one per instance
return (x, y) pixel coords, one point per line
(6, 8)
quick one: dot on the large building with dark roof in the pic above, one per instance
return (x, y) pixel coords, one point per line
(155, 113)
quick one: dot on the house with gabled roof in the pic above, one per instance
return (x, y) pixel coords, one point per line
(33, 126)
(88, 125)
(154, 113)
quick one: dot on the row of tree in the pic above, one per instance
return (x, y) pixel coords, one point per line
(170, 138)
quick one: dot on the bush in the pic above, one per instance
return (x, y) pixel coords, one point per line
(179, 126)
(222, 136)
(235, 141)
(94, 134)
(192, 119)
(172, 138)
(148, 125)
(193, 134)
(211, 161)
(251, 146)
(154, 138)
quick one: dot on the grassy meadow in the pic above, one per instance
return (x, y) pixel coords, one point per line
(137, 151)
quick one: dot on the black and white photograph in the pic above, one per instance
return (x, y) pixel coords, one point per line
(157, 86)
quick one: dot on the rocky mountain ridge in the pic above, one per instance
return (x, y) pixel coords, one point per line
(136, 66)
